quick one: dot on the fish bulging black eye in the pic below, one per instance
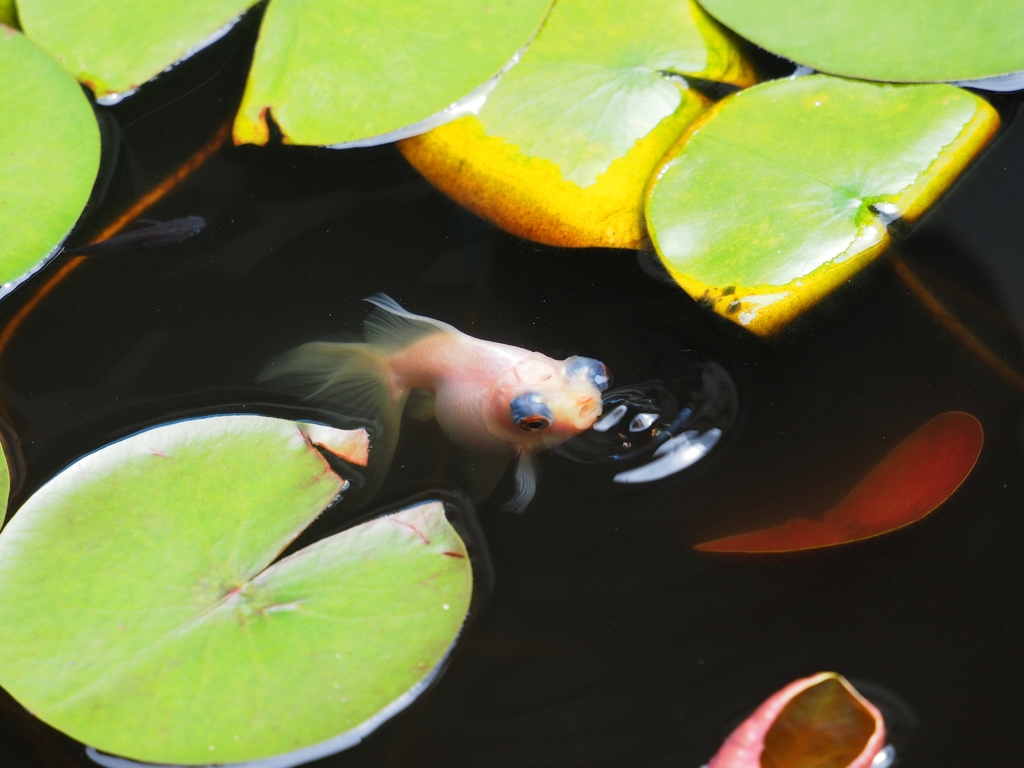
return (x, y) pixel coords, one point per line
(529, 412)
(595, 371)
(534, 423)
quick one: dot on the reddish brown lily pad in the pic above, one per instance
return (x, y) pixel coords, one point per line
(815, 722)
(913, 479)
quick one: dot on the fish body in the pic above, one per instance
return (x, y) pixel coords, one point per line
(152, 236)
(491, 399)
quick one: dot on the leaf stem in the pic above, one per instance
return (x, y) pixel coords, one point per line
(955, 327)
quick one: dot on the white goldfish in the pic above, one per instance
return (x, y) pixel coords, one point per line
(491, 399)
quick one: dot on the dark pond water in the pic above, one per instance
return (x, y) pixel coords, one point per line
(605, 639)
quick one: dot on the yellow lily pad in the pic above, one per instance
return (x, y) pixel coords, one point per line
(562, 148)
(782, 192)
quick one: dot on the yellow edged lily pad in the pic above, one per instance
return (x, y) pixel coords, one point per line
(562, 148)
(528, 196)
(782, 192)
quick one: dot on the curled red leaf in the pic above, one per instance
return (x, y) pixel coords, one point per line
(912, 480)
(819, 721)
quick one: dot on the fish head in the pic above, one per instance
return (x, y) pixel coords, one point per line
(540, 402)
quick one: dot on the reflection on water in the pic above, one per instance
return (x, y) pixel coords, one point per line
(666, 425)
(672, 456)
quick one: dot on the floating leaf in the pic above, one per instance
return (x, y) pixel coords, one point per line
(815, 722)
(51, 148)
(913, 479)
(142, 610)
(910, 41)
(113, 47)
(563, 147)
(782, 192)
(337, 71)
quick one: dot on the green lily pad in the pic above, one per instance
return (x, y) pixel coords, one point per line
(339, 71)
(143, 613)
(782, 192)
(51, 149)
(906, 41)
(115, 47)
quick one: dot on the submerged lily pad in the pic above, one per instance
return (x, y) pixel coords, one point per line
(815, 722)
(113, 47)
(909, 41)
(142, 610)
(562, 148)
(51, 150)
(910, 482)
(782, 192)
(338, 71)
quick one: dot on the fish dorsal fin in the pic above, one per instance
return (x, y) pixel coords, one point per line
(390, 327)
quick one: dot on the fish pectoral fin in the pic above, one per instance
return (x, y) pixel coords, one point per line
(482, 473)
(420, 405)
(526, 483)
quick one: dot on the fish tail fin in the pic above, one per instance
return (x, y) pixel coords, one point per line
(390, 327)
(351, 379)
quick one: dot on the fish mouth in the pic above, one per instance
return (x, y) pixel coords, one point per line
(590, 409)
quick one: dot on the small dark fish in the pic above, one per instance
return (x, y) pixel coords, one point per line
(156, 234)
